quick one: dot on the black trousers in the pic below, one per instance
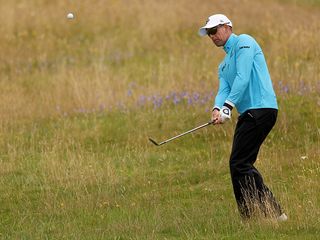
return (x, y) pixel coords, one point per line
(252, 128)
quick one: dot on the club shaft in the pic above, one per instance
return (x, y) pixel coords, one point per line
(182, 134)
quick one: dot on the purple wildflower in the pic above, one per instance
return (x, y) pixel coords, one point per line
(157, 101)
(142, 100)
(196, 96)
(176, 99)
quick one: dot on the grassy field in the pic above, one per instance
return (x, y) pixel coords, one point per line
(79, 99)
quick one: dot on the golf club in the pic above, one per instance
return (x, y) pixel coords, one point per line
(180, 135)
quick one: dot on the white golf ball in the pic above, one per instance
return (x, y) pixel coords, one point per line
(70, 16)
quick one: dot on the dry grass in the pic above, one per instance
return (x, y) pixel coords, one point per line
(51, 64)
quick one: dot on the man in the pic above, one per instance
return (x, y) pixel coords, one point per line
(244, 84)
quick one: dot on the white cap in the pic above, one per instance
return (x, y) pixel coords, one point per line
(213, 21)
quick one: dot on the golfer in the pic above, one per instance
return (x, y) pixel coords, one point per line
(244, 84)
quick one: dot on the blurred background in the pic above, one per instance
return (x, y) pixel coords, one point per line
(122, 53)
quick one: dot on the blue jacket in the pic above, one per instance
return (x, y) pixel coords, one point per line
(244, 80)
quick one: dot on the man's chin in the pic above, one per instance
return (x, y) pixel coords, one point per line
(218, 43)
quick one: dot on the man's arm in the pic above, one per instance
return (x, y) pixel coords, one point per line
(223, 92)
(244, 62)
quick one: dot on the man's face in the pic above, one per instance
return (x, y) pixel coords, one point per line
(219, 35)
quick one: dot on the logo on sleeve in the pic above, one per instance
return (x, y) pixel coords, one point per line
(244, 47)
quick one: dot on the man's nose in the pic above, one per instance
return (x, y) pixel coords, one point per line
(212, 36)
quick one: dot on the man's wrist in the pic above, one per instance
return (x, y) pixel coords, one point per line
(229, 104)
(226, 111)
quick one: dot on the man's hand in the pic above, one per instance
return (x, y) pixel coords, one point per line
(215, 116)
(225, 114)
(221, 116)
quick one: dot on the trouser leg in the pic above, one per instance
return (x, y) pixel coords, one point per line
(251, 130)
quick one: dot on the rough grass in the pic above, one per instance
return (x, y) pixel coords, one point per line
(80, 98)
(97, 177)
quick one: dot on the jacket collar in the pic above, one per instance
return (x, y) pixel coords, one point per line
(230, 42)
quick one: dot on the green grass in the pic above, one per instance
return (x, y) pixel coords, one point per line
(96, 176)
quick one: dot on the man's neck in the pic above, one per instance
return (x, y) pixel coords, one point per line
(229, 43)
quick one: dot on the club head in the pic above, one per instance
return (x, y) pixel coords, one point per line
(154, 142)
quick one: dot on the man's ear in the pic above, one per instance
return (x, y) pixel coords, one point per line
(228, 28)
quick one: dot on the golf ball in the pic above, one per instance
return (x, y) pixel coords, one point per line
(70, 16)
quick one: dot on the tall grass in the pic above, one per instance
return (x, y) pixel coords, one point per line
(80, 97)
(114, 46)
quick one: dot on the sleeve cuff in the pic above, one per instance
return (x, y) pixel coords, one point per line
(228, 104)
(215, 108)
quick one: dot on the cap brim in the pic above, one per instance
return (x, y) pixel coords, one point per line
(203, 31)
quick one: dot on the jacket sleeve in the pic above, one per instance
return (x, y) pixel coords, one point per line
(244, 62)
(223, 92)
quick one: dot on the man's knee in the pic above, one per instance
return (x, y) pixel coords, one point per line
(239, 169)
